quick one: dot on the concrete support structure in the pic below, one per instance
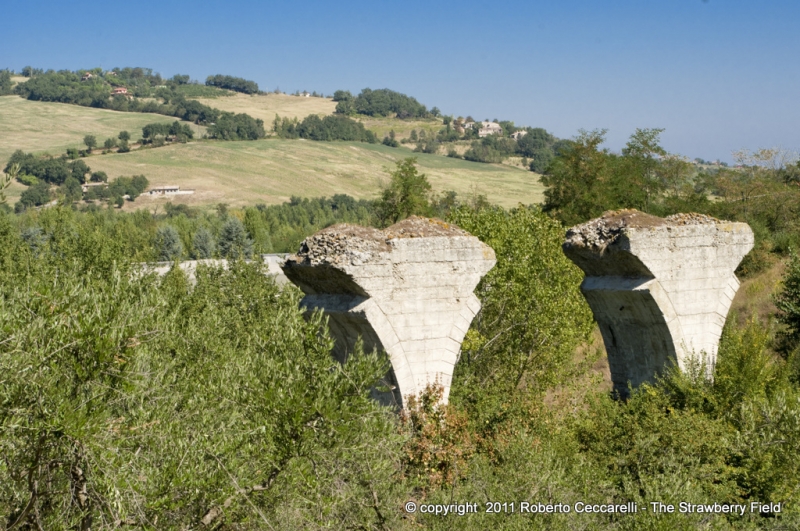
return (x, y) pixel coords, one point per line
(406, 290)
(660, 288)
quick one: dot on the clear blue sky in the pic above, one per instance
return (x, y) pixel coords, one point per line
(718, 75)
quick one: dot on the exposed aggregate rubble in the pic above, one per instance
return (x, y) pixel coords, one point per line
(346, 243)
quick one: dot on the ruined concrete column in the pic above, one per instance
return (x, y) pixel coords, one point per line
(660, 288)
(406, 290)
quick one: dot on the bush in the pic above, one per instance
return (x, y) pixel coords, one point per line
(36, 195)
(145, 397)
(533, 315)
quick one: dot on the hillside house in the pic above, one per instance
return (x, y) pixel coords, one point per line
(87, 76)
(518, 134)
(119, 90)
(168, 189)
(489, 128)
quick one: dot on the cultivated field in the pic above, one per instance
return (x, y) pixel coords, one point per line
(267, 105)
(271, 171)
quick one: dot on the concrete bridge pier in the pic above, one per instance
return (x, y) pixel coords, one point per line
(660, 288)
(406, 290)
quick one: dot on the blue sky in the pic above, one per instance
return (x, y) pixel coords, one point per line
(717, 75)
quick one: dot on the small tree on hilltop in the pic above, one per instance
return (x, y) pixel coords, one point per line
(407, 193)
(124, 136)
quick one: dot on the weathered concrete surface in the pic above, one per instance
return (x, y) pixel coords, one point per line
(407, 290)
(272, 261)
(660, 288)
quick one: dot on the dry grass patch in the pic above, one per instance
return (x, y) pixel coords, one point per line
(45, 127)
(266, 106)
(402, 128)
(755, 295)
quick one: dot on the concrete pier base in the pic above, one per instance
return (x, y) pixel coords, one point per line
(406, 290)
(660, 288)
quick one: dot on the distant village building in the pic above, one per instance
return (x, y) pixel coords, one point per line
(168, 189)
(87, 75)
(489, 128)
(518, 134)
(119, 90)
(306, 94)
(111, 73)
(85, 186)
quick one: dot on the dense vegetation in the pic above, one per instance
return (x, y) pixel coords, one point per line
(381, 102)
(326, 128)
(6, 86)
(40, 173)
(233, 83)
(130, 398)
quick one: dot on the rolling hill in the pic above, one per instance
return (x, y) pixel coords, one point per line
(266, 171)
(271, 171)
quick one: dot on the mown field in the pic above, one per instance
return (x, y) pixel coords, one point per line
(271, 171)
(266, 106)
(44, 127)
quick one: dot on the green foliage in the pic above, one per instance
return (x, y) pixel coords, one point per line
(203, 245)
(168, 244)
(72, 190)
(47, 169)
(342, 95)
(231, 126)
(390, 140)
(407, 193)
(788, 302)
(173, 131)
(382, 102)
(532, 316)
(233, 83)
(233, 240)
(137, 401)
(6, 86)
(124, 136)
(326, 128)
(36, 195)
(90, 141)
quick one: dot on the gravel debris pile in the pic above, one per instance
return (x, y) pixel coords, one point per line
(346, 243)
(601, 232)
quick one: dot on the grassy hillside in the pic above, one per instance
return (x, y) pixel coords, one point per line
(239, 173)
(271, 171)
(44, 127)
(267, 105)
(53, 127)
